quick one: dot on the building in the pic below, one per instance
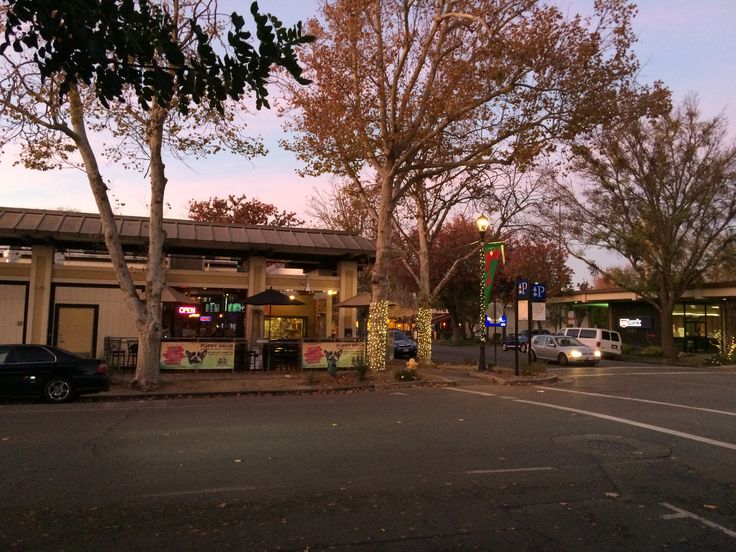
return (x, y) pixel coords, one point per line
(704, 317)
(57, 285)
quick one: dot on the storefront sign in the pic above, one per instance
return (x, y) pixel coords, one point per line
(187, 310)
(321, 353)
(197, 355)
(643, 322)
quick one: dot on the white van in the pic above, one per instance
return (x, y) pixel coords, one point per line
(608, 342)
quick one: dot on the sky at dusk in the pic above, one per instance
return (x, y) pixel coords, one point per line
(688, 44)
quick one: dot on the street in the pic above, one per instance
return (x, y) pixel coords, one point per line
(617, 457)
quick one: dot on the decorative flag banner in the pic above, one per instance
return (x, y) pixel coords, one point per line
(492, 254)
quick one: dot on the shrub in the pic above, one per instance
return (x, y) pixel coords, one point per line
(360, 366)
(627, 349)
(652, 351)
(721, 359)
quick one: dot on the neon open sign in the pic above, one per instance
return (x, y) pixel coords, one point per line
(187, 310)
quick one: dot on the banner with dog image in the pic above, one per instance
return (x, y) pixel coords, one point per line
(331, 354)
(193, 355)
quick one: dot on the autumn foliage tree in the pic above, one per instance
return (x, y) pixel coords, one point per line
(240, 210)
(407, 91)
(537, 258)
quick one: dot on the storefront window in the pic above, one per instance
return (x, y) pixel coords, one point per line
(713, 320)
(210, 313)
(697, 327)
(285, 327)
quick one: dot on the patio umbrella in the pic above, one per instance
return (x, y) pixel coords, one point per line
(362, 299)
(171, 295)
(268, 298)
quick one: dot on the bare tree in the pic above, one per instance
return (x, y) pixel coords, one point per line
(343, 207)
(661, 193)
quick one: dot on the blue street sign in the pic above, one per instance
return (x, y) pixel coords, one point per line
(522, 289)
(539, 292)
(501, 322)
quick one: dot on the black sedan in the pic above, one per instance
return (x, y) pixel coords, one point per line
(522, 341)
(403, 346)
(49, 372)
(511, 342)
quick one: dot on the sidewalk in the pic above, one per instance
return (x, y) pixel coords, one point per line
(189, 384)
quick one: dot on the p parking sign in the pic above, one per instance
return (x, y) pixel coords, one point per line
(539, 292)
(522, 289)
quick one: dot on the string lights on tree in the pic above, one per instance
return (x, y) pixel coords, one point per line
(482, 222)
(424, 334)
(377, 335)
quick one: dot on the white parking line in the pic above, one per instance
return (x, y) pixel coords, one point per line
(675, 405)
(652, 373)
(214, 490)
(659, 429)
(681, 514)
(511, 470)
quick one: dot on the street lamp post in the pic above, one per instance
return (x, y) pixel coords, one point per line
(482, 223)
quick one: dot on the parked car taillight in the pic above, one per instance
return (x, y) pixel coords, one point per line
(102, 368)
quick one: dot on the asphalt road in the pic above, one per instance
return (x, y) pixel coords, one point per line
(617, 457)
(470, 354)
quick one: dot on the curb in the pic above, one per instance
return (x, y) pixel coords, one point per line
(517, 380)
(303, 390)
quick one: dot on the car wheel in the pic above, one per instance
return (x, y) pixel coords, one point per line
(58, 390)
(522, 348)
(562, 359)
(504, 347)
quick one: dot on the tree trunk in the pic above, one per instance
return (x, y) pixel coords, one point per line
(665, 323)
(457, 333)
(379, 275)
(150, 332)
(378, 312)
(110, 232)
(149, 355)
(424, 313)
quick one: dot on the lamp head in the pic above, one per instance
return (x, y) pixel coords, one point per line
(482, 222)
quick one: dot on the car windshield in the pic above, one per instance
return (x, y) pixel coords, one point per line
(568, 342)
(399, 336)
